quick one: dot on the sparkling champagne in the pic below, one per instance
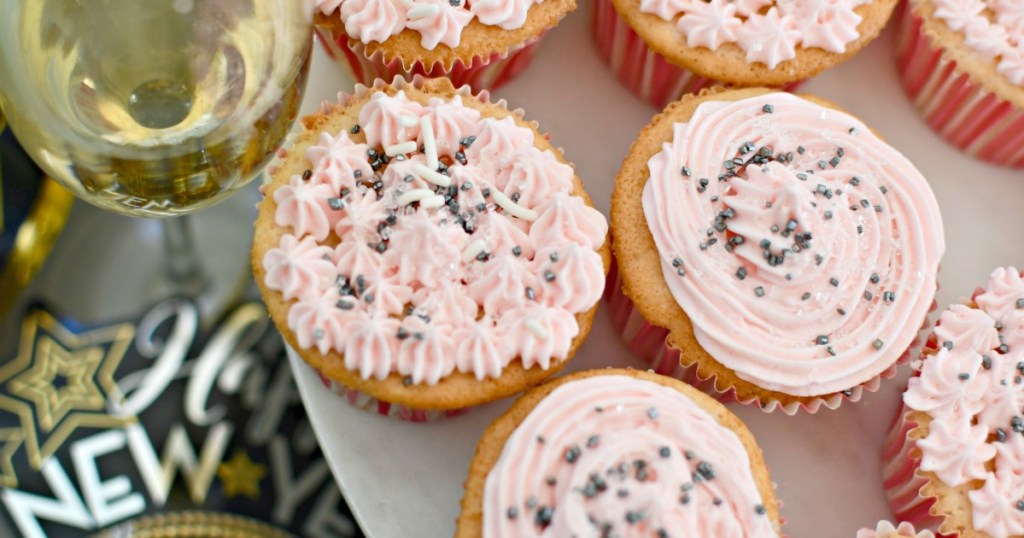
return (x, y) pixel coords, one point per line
(153, 107)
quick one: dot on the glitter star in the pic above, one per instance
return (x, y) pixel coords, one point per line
(240, 476)
(59, 381)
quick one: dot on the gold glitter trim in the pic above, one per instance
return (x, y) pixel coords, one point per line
(193, 524)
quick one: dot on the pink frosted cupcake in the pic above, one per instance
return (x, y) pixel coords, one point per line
(662, 49)
(425, 249)
(954, 460)
(962, 65)
(482, 43)
(771, 249)
(884, 529)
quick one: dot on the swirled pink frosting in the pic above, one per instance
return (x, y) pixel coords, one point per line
(803, 249)
(612, 455)
(423, 272)
(767, 36)
(972, 387)
(884, 529)
(994, 29)
(437, 21)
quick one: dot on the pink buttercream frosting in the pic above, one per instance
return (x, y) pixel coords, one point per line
(612, 455)
(423, 271)
(972, 387)
(803, 249)
(768, 36)
(437, 21)
(884, 529)
(994, 29)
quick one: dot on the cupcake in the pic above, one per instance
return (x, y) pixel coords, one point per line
(771, 249)
(887, 530)
(962, 64)
(662, 49)
(954, 458)
(482, 43)
(427, 248)
(618, 453)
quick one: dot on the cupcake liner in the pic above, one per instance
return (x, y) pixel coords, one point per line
(902, 484)
(968, 116)
(648, 343)
(645, 72)
(482, 73)
(374, 405)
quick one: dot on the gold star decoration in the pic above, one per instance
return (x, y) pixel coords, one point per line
(59, 381)
(240, 476)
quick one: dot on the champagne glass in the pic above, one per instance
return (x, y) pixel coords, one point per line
(154, 108)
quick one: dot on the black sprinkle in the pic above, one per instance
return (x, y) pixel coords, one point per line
(549, 275)
(512, 512)
(878, 343)
(634, 516)
(652, 412)
(759, 291)
(741, 273)
(768, 109)
(822, 340)
(706, 471)
(875, 278)
(834, 281)
(593, 441)
(686, 171)
(805, 296)
(665, 452)
(544, 516)
(1000, 435)
(759, 509)
(307, 174)
(986, 362)
(868, 295)
(572, 454)
(517, 251)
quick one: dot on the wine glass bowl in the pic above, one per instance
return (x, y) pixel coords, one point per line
(154, 107)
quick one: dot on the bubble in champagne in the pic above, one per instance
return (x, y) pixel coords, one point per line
(160, 103)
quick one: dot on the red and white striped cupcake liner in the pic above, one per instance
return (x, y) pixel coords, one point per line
(645, 72)
(900, 479)
(648, 342)
(482, 73)
(968, 116)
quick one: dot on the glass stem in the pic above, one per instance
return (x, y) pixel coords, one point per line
(183, 268)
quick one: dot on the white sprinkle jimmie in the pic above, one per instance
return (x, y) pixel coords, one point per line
(473, 250)
(432, 176)
(536, 328)
(433, 202)
(400, 149)
(429, 143)
(513, 208)
(415, 195)
(420, 11)
(408, 121)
